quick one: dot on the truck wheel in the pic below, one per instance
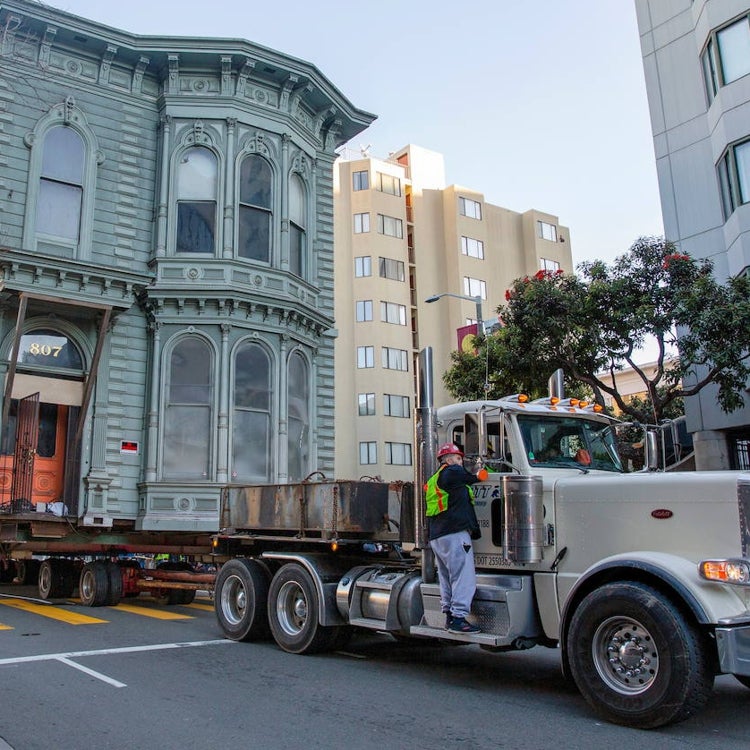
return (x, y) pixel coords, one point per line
(115, 583)
(635, 658)
(241, 598)
(55, 579)
(27, 571)
(93, 586)
(293, 613)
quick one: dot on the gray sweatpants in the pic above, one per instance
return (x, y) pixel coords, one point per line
(455, 563)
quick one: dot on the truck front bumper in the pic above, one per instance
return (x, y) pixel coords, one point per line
(733, 646)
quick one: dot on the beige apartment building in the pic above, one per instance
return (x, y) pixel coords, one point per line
(401, 236)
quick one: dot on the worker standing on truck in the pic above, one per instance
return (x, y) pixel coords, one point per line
(451, 525)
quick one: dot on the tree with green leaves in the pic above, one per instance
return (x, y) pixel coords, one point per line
(593, 324)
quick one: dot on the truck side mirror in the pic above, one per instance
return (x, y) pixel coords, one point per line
(652, 451)
(475, 433)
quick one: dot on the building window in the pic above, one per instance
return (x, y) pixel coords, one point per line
(734, 176)
(390, 226)
(726, 56)
(473, 248)
(388, 184)
(547, 231)
(396, 406)
(255, 209)
(363, 266)
(187, 412)
(197, 180)
(297, 226)
(391, 312)
(475, 287)
(58, 211)
(368, 453)
(470, 208)
(391, 269)
(360, 180)
(366, 404)
(298, 427)
(361, 223)
(251, 420)
(398, 454)
(364, 310)
(395, 359)
(545, 264)
(365, 357)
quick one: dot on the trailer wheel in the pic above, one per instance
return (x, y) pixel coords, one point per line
(8, 570)
(241, 598)
(93, 586)
(27, 571)
(293, 613)
(114, 575)
(635, 658)
(177, 596)
(55, 579)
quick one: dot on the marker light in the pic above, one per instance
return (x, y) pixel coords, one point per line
(574, 402)
(726, 571)
(334, 546)
(522, 398)
(583, 404)
(598, 408)
(554, 400)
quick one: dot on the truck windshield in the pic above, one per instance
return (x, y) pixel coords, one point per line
(569, 442)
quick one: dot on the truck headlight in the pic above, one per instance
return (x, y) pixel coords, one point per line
(725, 571)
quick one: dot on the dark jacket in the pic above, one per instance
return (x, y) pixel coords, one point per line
(460, 515)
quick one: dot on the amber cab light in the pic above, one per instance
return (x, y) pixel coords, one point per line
(725, 571)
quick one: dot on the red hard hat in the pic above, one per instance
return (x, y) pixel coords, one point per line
(449, 448)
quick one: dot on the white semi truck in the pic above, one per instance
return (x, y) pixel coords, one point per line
(642, 579)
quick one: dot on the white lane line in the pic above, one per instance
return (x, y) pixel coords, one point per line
(92, 673)
(108, 651)
(66, 658)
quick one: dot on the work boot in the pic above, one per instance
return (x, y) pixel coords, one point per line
(461, 625)
(448, 620)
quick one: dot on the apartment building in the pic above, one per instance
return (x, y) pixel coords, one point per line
(402, 236)
(696, 59)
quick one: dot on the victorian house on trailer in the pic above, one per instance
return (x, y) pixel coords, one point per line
(166, 261)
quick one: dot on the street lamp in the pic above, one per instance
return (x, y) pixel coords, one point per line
(476, 300)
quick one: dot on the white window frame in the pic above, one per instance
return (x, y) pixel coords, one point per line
(360, 180)
(387, 183)
(366, 404)
(547, 264)
(368, 452)
(547, 231)
(364, 310)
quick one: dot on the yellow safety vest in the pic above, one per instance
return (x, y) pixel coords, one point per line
(437, 498)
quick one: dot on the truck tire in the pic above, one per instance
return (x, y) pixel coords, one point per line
(56, 579)
(27, 571)
(93, 585)
(115, 584)
(241, 599)
(635, 658)
(293, 613)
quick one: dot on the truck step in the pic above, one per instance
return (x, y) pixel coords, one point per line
(367, 622)
(482, 639)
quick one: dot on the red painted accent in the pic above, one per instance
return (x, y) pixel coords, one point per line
(662, 513)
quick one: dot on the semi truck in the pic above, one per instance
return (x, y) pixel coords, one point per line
(641, 580)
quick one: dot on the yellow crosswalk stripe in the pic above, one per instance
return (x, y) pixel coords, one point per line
(54, 613)
(204, 607)
(155, 613)
(5, 627)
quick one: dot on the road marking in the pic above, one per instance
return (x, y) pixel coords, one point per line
(204, 607)
(54, 613)
(155, 613)
(65, 658)
(5, 627)
(92, 673)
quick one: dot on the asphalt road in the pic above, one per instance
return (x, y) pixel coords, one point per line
(143, 675)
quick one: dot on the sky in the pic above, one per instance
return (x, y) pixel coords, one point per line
(535, 103)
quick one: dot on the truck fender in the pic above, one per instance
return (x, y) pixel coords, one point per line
(675, 576)
(325, 575)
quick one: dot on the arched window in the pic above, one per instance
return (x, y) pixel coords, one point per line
(255, 209)
(187, 418)
(299, 417)
(58, 211)
(251, 433)
(197, 180)
(43, 347)
(297, 225)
